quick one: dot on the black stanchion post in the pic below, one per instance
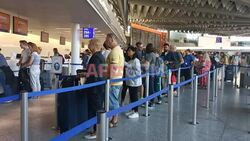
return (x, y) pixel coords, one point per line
(214, 85)
(208, 89)
(147, 94)
(24, 117)
(101, 126)
(194, 122)
(170, 112)
(178, 81)
(107, 91)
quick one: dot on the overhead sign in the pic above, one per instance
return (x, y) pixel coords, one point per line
(88, 32)
(218, 39)
(57, 64)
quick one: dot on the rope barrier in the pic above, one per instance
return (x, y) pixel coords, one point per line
(202, 75)
(76, 130)
(135, 104)
(62, 90)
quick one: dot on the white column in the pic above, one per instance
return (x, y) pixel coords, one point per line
(75, 48)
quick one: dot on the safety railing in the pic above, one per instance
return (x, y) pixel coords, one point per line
(102, 118)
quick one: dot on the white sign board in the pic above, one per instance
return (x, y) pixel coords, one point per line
(57, 64)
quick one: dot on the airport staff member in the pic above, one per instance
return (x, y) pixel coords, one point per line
(115, 63)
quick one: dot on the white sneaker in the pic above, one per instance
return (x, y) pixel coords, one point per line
(90, 136)
(134, 115)
(129, 113)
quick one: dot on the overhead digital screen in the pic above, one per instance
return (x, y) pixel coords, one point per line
(88, 32)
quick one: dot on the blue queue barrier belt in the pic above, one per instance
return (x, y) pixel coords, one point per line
(135, 104)
(63, 90)
(202, 75)
(75, 131)
(184, 83)
(9, 98)
(128, 78)
(185, 68)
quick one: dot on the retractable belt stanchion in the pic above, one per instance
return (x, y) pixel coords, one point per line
(194, 121)
(216, 82)
(214, 86)
(178, 81)
(170, 113)
(208, 89)
(146, 94)
(24, 117)
(235, 76)
(101, 126)
(223, 77)
(107, 109)
(192, 75)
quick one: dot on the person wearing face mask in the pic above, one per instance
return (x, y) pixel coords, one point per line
(95, 94)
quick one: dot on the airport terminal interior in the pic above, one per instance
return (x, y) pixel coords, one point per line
(125, 70)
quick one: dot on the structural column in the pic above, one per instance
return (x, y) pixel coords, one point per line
(75, 48)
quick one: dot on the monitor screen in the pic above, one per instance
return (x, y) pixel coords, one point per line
(88, 33)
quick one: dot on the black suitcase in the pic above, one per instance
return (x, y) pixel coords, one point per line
(229, 73)
(71, 106)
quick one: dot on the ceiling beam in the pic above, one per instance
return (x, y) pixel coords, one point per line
(172, 5)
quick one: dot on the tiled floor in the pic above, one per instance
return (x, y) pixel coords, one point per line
(228, 119)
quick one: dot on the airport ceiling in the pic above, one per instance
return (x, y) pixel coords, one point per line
(223, 17)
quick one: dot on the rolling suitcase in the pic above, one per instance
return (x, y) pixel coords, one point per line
(229, 73)
(71, 106)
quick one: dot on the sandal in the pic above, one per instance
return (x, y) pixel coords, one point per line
(113, 125)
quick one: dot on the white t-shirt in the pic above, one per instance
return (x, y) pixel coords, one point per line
(35, 57)
(25, 55)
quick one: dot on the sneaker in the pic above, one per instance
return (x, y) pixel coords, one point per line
(151, 106)
(129, 113)
(159, 102)
(134, 115)
(90, 136)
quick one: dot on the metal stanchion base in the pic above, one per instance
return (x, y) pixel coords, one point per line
(146, 115)
(193, 123)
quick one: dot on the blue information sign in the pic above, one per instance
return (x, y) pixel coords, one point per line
(88, 32)
(218, 39)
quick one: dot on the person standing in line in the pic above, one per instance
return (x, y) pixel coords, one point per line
(95, 94)
(159, 69)
(163, 55)
(206, 67)
(174, 61)
(149, 63)
(23, 75)
(133, 69)
(140, 54)
(106, 50)
(188, 62)
(115, 62)
(124, 85)
(34, 64)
